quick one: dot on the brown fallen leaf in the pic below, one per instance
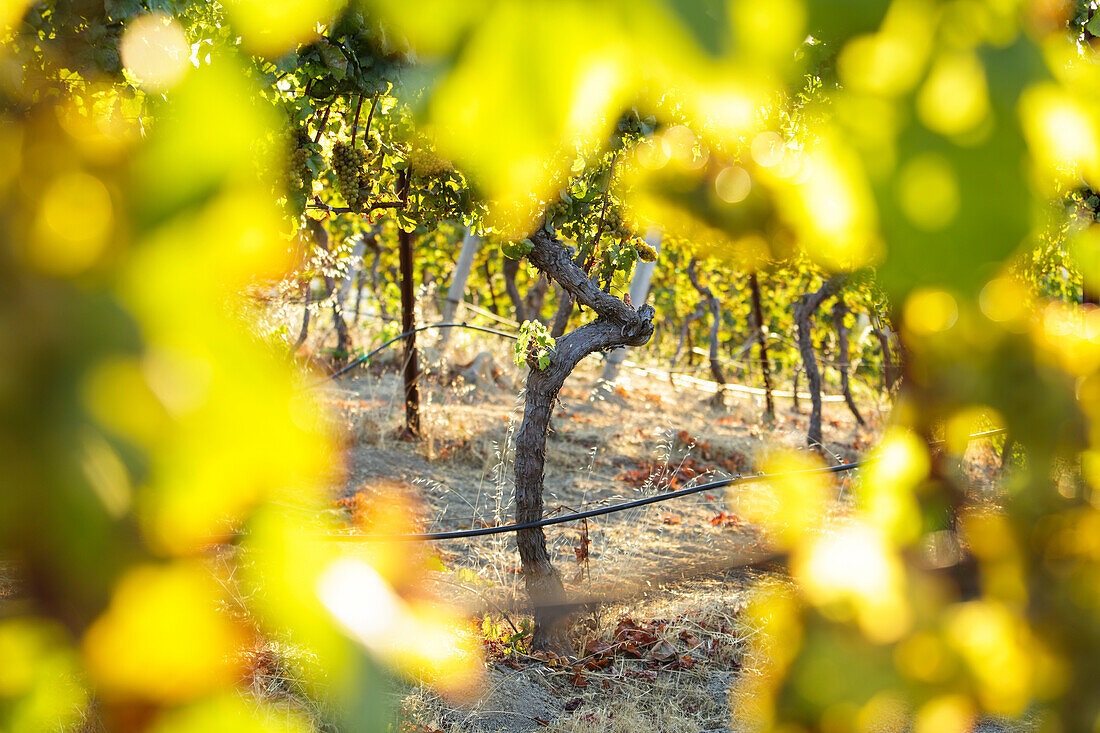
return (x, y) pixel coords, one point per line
(578, 680)
(662, 651)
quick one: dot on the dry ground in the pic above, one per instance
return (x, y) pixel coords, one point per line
(666, 566)
(666, 576)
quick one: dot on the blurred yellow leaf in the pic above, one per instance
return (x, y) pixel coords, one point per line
(39, 678)
(853, 572)
(163, 638)
(792, 504)
(231, 712)
(273, 27)
(155, 50)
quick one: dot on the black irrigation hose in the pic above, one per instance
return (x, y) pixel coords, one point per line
(736, 480)
(397, 338)
(429, 536)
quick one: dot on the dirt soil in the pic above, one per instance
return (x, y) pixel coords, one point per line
(673, 569)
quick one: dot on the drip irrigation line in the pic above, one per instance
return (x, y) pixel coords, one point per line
(548, 521)
(348, 367)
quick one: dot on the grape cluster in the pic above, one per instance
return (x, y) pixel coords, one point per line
(425, 160)
(299, 176)
(646, 253)
(351, 179)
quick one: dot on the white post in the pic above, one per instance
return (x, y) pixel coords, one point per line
(457, 290)
(639, 291)
(354, 266)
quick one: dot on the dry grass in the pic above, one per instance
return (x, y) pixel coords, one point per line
(664, 562)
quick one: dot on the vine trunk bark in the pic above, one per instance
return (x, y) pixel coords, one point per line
(511, 269)
(889, 369)
(408, 323)
(803, 317)
(839, 311)
(709, 302)
(765, 365)
(616, 325)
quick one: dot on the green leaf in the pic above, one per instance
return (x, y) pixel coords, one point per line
(836, 20)
(122, 9)
(707, 21)
(990, 187)
(515, 250)
(321, 89)
(297, 202)
(1093, 26)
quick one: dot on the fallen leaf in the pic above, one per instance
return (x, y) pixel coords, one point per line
(663, 652)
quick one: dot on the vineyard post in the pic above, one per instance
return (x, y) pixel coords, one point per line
(758, 316)
(639, 291)
(536, 296)
(358, 257)
(561, 315)
(408, 323)
(457, 289)
(359, 289)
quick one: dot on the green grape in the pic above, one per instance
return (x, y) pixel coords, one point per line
(299, 176)
(348, 164)
(425, 160)
(645, 252)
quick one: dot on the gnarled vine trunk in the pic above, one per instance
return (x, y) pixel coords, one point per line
(617, 324)
(803, 315)
(699, 312)
(511, 269)
(561, 315)
(889, 369)
(411, 431)
(839, 311)
(765, 365)
(708, 301)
